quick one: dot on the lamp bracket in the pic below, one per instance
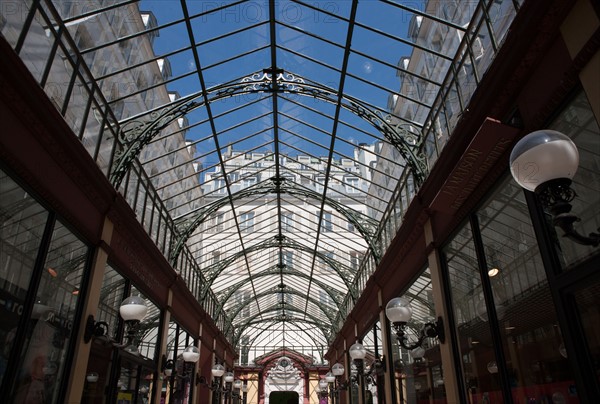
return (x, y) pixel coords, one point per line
(429, 330)
(556, 195)
(167, 364)
(94, 329)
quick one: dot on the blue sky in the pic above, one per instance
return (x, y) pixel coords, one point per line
(371, 13)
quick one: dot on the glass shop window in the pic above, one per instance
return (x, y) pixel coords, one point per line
(39, 348)
(132, 378)
(578, 122)
(520, 296)
(49, 333)
(21, 228)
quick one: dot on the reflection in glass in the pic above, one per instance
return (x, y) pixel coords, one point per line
(578, 122)
(527, 319)
(21, 227)
(49, 333)
(418, 372)
(588, 302)
(473, 328)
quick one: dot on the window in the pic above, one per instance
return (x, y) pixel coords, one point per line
(247, 222)
(324, 259)
(216, 257)
(242, 300)
(326, 223)
(354, 259)
(351, 185)
(324, 298)
(320, 183)
(287, 221)
(248, 182)
(216, 222)
(287, 258)
(219, 186)
(289, 177)
(351, 227)
(233, 177)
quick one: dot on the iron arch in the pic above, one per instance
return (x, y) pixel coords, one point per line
(366, 226)
(136, 132)
(212, 271)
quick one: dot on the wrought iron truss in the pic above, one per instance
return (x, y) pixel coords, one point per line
(136, 132)
(336, 296)
(212, 272)
(366, 226)
(318, 323)
(235, 309)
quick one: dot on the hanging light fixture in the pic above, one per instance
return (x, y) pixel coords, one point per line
(545, 162)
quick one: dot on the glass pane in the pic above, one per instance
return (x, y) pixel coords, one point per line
(526, 316)
(473, 330)
(588, 302)
(578, 122)
(418, 371)
(50, 331)
(21, 229)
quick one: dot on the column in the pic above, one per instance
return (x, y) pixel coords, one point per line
(82, 349)
(386, 342)
(164, 334)
(439, 299)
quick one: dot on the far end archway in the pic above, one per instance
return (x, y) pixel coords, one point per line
(284, 397)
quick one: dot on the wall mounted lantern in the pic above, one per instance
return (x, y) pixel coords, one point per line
(545, 162)
(323, 388)
(358, 353)
(232, 387)
(337, 371)
(132, 310)
(330, 379)
(399, 312)
(244, 390)
(191, 354)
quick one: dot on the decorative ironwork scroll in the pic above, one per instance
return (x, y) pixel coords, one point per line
(136, 132)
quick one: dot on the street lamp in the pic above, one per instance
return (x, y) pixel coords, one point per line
(338, 371)
(244, 391)
(217, 371)
(237, 387)
(545, 162)
(358, 353)
(133, 310)
(228, 378)
(330, 379)
(323, 388)
(399, 312)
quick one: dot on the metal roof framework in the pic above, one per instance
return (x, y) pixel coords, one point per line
(281, 82)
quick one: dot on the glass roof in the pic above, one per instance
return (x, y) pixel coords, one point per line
(276, 135)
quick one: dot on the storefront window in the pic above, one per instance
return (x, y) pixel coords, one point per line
(41, 267)
(178, 387)
(479, 362)
(532, 346)
(531, 337)
(51, 327)
(22, 223)
(578, 122)
(418, 372)
(129, 376)
(589, 311)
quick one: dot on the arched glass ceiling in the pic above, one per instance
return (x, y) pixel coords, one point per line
(276, 134)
